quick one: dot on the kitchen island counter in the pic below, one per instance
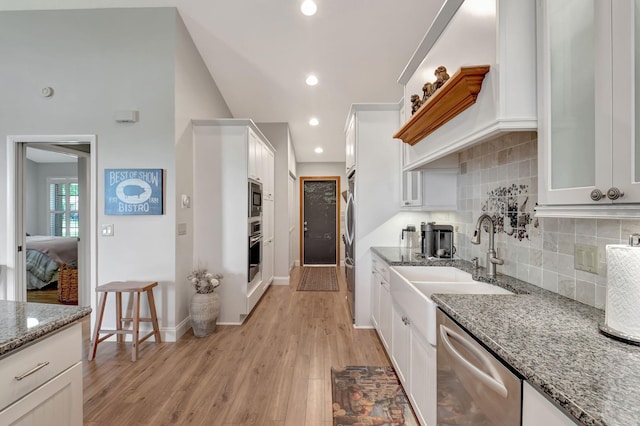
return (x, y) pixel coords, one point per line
(22, 323)
(552, 341)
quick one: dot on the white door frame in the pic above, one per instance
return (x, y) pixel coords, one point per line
(14, 237)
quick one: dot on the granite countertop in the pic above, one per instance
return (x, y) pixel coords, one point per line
(23, 322)
(553, 342)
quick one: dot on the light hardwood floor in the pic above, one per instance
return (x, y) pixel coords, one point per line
(275, 369)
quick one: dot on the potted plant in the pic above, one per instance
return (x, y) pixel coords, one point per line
(205, 303)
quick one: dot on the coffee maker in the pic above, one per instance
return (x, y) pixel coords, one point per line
(437, 240)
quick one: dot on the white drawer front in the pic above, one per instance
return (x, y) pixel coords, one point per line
(380, 267)
(60, 350)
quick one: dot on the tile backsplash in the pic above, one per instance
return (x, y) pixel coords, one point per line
(500, 178)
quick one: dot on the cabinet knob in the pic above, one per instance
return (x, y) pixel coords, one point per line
(614, 193)
(596, 195)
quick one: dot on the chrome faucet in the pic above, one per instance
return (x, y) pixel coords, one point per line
(492, 259)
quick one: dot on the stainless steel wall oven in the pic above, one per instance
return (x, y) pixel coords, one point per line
(255, 198)
(255, 247)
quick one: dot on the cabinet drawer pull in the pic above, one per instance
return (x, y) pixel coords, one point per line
(614, 193)
(596, 195)
(33, 370)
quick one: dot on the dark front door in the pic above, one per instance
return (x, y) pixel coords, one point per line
(319, 222)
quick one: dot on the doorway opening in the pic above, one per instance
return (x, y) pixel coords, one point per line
(54, 199)
(320, 223)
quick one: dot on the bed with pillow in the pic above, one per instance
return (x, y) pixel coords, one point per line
(45, 256)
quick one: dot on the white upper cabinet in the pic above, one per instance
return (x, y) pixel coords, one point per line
(350, 154)
(254, 156)
(497, 33)
(588, 140)
(268, 169)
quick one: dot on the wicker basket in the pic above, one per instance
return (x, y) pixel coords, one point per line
(68, 284)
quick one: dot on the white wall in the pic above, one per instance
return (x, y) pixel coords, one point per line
(99, 61)
(325, 169)
(196, 97)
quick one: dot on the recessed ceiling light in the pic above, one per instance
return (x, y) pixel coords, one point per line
(318, 150)
(309, 7)
(314, 121)
(312, 80)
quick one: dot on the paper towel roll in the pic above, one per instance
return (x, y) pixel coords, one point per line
(622, 311)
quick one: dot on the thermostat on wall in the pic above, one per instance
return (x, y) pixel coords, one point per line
(126, 116)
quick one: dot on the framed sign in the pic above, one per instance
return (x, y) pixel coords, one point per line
(133, 191)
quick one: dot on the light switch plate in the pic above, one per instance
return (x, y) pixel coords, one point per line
(182, 229)
(107, 230)
(585, 258)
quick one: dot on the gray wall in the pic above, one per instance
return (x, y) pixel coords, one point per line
(99, 61)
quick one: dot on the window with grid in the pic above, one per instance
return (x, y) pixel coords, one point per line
(63, 207)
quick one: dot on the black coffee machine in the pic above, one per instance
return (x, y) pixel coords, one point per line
(437, 240)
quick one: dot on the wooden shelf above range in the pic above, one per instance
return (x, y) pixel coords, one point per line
(456, 95)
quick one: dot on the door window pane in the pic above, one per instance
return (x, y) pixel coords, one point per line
(64, 200)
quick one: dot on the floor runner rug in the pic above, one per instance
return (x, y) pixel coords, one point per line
(318, 278)
(369, 396)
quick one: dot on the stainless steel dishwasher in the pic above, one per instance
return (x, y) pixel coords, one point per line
(474, 388)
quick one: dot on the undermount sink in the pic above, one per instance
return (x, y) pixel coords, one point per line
(412, 287)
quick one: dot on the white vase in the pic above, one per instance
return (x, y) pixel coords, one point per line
(204, 310)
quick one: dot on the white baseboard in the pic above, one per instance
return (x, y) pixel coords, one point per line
(173, 334)
(363, 327)
(296, 263)
(280, 281)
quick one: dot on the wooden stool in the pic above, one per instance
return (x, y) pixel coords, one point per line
(135, 288)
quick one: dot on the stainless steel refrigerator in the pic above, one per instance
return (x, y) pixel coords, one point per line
(350, 241)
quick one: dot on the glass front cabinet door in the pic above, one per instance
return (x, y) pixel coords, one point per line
(587, 77)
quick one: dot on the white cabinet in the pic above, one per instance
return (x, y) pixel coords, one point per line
(268, 164)
(386, 313)
(268, 246)
(350, 147)
(268, 216)
(411, 189)
(588, 143)
(538, 410)
(376, 283)
(254, 156)
(376, 192)
(227, 152)
(55, 387)
(423, 378)
(267, 262)
(381, 309)
(412, 356)
(500, 34)
(415, 362)
(401, 344)
(433, 187)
